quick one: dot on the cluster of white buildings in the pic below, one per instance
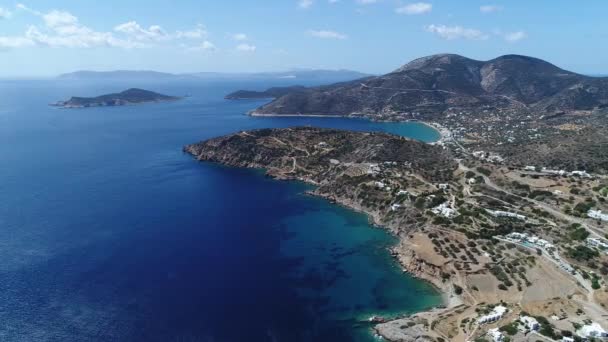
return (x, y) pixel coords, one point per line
(597, 214)
(500, 213)
(373, 169)
(581, 174)
(535, 240)
(444, 210)
(493, 316)
(593, 330)
(488, 156)
(597, 243)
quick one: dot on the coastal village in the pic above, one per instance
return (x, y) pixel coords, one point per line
(555, 217)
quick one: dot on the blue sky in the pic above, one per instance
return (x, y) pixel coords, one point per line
(44, 38)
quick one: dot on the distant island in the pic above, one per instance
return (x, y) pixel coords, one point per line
(271, 93)
(128, 97)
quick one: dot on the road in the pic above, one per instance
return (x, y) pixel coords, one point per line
(565, 217)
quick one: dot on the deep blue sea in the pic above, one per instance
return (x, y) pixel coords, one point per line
(108, 232)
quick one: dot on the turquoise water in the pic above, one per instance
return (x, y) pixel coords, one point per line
(109, 232)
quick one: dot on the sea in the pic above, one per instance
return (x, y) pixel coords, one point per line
(109, 232)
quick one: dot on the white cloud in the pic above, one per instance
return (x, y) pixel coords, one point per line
(490, 8)
(246, 47)
(325, 34)
(305, 4)
(4, 13)
(513, 37)
(367, 2)
(133, 30)
(63, 29)
(415, 8)
(198, 32)
(456, 32)
(23, 7)
(239, 37)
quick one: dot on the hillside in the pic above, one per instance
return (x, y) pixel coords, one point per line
(431, 85)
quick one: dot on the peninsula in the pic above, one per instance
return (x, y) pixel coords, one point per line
(131, 96)
(507, 214)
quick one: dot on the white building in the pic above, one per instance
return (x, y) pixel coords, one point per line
(597, 214)
(592, 330)
(530, 323)
(582, 174)
(395, 207)
(554, 172)
(493, 316)
(500, 213)
(567, 339)
(444, 210)
(530, 168)
(599, 243)
(496, 335)
(379, 185)
(443, 186)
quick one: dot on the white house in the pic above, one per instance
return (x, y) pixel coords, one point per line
(444, 210)
(582, 174)
(496, 335)
(500, 213)
(599, 243)
(592, 330)
(493, 316)
(530, 323)
(597, 214)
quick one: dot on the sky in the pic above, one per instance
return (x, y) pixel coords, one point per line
(45, 38)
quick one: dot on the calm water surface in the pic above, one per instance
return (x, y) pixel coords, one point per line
(108, 232)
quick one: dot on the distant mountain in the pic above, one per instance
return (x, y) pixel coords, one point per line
(316, 76)
(127, 97)
(436, 83)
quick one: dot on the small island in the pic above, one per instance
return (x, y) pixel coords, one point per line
(271, 93)
(128, 97)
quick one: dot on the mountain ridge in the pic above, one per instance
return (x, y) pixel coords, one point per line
(436, 83)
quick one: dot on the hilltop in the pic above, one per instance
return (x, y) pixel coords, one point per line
(431, 85)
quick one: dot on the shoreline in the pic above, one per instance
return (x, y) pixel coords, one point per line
(444, 133)
(406, 261)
